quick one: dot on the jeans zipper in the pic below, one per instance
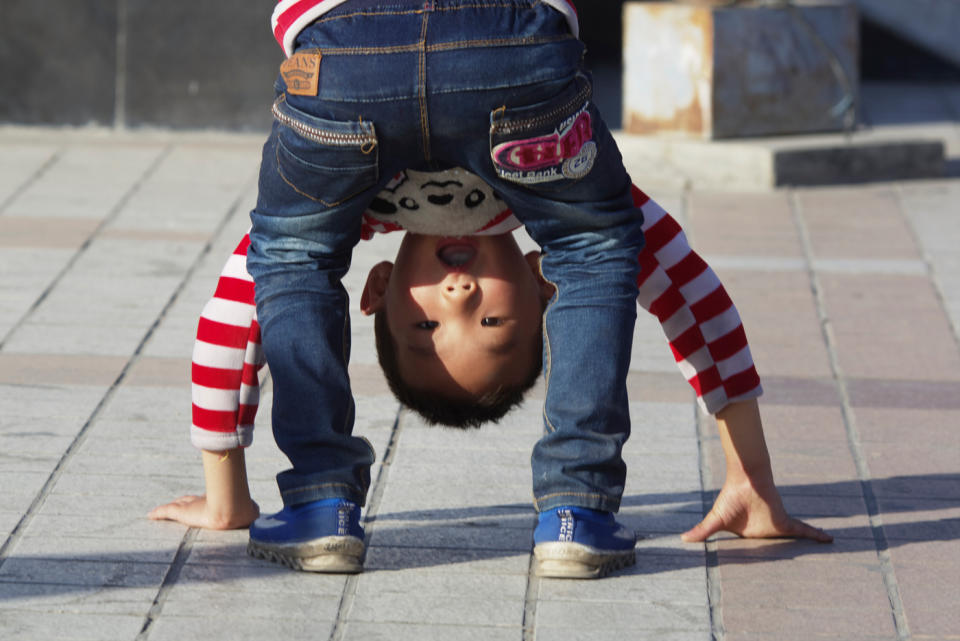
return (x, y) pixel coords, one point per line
(512, 126)
(365, 141)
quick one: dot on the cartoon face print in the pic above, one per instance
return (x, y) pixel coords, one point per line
(450, 202)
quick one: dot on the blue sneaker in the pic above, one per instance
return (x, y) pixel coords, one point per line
(579, 543)
(320, 536)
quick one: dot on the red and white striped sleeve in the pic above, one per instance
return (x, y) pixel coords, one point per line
(698, 318)
(227, 357)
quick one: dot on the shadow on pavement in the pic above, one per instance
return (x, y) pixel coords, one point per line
(498, 538)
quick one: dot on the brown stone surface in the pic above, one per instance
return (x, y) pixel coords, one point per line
(781, 321)
(16, 231)
(856, 223)
(759, 224)
(50, 369)
(909, 336)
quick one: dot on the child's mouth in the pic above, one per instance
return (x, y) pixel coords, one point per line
(456, 252)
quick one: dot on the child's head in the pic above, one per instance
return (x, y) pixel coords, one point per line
(458, 325)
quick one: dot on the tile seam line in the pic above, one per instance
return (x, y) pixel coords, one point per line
(704, 435)
(85, 245)
(713, 584)
(932, 273)
(712, 581)
(31, 180)
(185, 546)
(18, 530)
(853, 437)
(377, 489)
(531, 597)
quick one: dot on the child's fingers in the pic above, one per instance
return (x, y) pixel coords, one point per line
(710, 525)
(173, 510)
(802, 530)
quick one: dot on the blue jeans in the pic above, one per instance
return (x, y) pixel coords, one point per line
(493, 87)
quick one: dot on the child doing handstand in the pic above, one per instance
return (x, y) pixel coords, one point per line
(487, 353)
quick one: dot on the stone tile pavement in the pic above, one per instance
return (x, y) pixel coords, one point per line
(109, 245)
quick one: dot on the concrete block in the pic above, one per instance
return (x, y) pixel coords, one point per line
(746, 70)
(776, 161)
(931, 24)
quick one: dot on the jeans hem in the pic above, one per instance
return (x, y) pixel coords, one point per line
(574, 499)
(319, 492)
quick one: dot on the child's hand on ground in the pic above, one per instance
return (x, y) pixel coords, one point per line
(753, 512)
(196, 511)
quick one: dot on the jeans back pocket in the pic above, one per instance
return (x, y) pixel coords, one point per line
(324, 160)
(549, 145)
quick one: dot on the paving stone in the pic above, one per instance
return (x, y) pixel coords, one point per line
(439, 582)
(576, 616)
(59, 599)
(558, 634)
(177, 628)
(46, 407)
(361, 631)
(811, 622)
(472, 561)
(463, 536)
(26, 625)
(728, 225)
(261, 577)
(200, 600)
(86, 181)
(50, 236)
(107, 526)
(20, 162)
(66, 571)
(836, 219)
(417, 608)
(633, 587)
(54, 547)
(92, 339)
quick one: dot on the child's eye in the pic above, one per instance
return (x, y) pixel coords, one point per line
(490, 321)
(427, 324)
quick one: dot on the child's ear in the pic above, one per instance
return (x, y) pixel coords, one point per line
(546, 288)
(374, 295)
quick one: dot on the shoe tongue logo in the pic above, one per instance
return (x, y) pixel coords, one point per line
(343, 519)
(566, 525)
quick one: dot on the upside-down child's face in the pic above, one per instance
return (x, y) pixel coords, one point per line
(463, 312)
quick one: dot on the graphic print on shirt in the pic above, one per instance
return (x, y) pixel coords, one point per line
(453, 202)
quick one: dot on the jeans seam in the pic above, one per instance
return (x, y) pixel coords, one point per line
(317, 486)
(422, 88)
(441, 46)
(413, 12)
(547, 367)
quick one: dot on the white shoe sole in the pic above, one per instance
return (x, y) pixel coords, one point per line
(567, 560)
(330, 554)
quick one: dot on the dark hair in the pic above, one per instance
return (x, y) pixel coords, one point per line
(442, 409)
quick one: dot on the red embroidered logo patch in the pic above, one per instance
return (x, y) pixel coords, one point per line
(569, 152)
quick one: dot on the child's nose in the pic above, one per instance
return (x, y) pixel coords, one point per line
(459, 290)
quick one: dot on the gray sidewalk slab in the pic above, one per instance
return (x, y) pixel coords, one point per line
(110, 243)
